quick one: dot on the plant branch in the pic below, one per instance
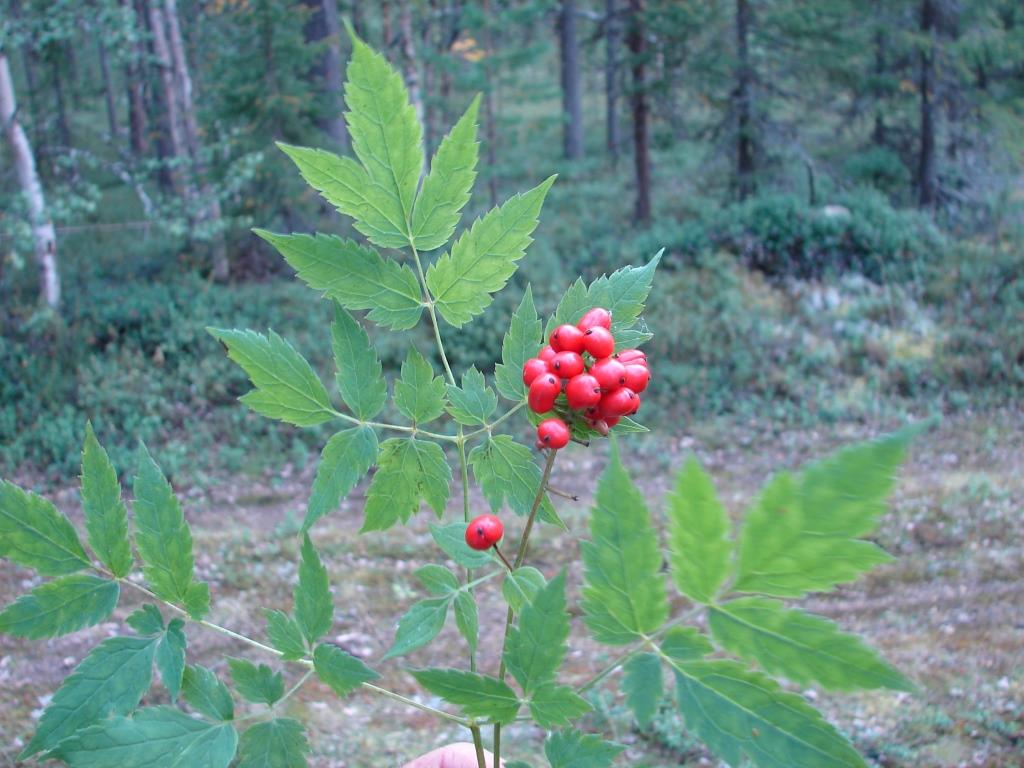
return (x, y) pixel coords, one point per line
(395, 427)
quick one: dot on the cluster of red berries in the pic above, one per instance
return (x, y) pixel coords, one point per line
(597, 383)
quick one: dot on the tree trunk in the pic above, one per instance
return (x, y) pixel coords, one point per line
(490, 114)
(638, 102)
(926, 170)
(175, 125)
(63, 128)
(133, 84)
(43, 235)
(612, 41)
(744, 100)
(410, 71)
(879, 44)
(572, 106)
(108, 88)
(385, 25)
(333, 75)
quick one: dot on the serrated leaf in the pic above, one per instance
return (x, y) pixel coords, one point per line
(342, 671)
(418, 393)
(521, 342)
(286, 388)
(344, 461)
(314, 608)
(170, 656)
(537, 644)
(437, 579)
(623, 293)
(258, 684)
(451, 539)
(419, 625)
(164, 540)
(799, 646)
(106, 520)
(628, 426)
(146, 620)
(477, 695)
(466, 618)
(572, 749)
(34, 534)
(685, 644)
(642, 686)
(473, 402)
(446, 188)
(698, 534)
(285, 635)
(206, 694)
(277, 743)
(506, 470)
(109, 681)
(65, 605)
(360, 378)
(739, 713)
(155, 737)
(408, 471)
(355, 276)
(623, 592)
(521, 586)
(485, 256)
(553, 706)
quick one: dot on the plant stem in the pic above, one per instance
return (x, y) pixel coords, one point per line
(276, 704)
(395, 427)
(478, 743)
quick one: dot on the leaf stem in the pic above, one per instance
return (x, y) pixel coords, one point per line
(478, 744)
(395, 427)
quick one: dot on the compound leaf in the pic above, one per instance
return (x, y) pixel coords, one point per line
(314, 608)
(33, 533)
(58, 607)
(473, 402)
(408, 471)
(418, 393)
(258, 684)
(206, 694)
(146, 620)
(466, 617)
(552, 705)
(521, 342)
(342, 671)
(477, 695)
(572, 749)
(521, 586)
(642, 686)
(105, 518)
(437, 579)
(506, 470)
(170, 656)
(698, 532)
(360, 378)
(685, 644)
(344, 461)
(277, 743)
(451, 539)
(419, 625)
(537, 644)
(285, 635)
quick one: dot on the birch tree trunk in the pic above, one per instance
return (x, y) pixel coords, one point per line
(43, 235)
(410, 71)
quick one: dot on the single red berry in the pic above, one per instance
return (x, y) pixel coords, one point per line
(598, 317)
(533, 368)
(565, 365)
(567, 338)
(611, 421)
(546, 353)
(553, 433)
(637, 377)
(582, 391)
(631, 356)
(618, 402)
(599, 342)
(543, 391)
(484, 532)
(609, 372)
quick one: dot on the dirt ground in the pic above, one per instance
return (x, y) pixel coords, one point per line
(949, 612)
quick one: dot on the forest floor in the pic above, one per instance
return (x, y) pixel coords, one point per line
(949, 612)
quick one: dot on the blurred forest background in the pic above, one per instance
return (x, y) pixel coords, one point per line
(838, 185)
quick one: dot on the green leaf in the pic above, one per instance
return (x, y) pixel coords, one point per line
(642, 686)
(64, 605)
(685, 644)
(286, 388)
(485, 256)
(521, 586)
(473, 402)
(799, 646)
(146, 620)
(258, 684)
(164, 540)
(285, 635)
(408, 471)
(109, 681)
(624, 294)
(437, 579)
(33, 533)
(477, 695)
(521, 342)
(623, 592)
(353, 275)
(345, 460)
(446, 188)
(342, 671)
(466, 618)
(277, 743)
(553, 706)
(698, 532)
(572, 749)
(418, 393)
(537, 644)
(105, 518)
(360, 380)
(314, 608)
(505, 469)
(451, 539)
(170, 656)
(419, 625)
(206, 694)
(739, 713)
(155, 737)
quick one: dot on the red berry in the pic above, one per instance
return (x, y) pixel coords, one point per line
(543, 391)
(631, 356)
(546, 353)
(553, 433)
(611, 421)
(533, 368)
(598, 317)
(637, 377)
(599, 342)
(567, 338)
(609, 372)
(582, 391)
(618, 402)
(565, 365)
(484, 532)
